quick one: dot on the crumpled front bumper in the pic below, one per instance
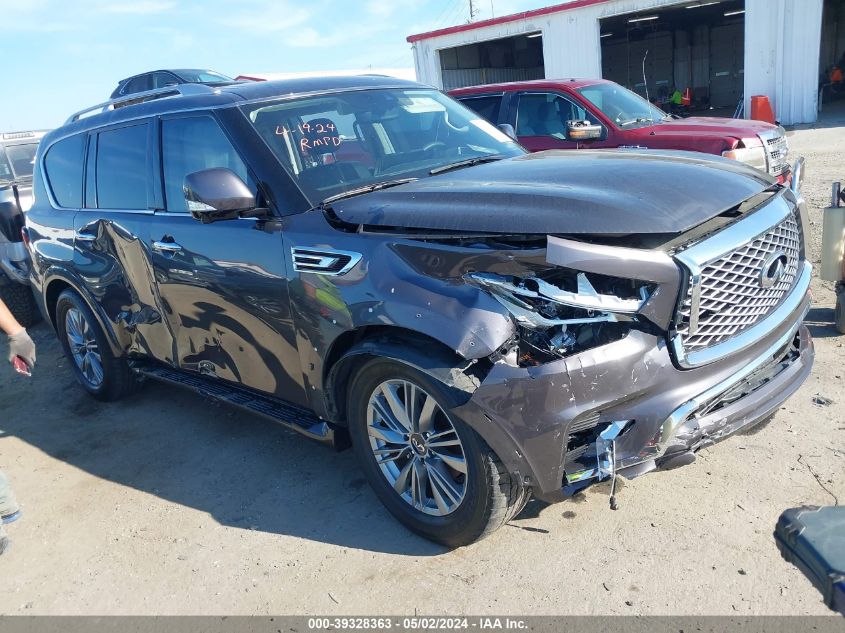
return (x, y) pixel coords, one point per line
(527, 415)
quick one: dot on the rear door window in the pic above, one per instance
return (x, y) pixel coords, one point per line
(190, 144)
(63, 168)
(122, 168)
(487, 106)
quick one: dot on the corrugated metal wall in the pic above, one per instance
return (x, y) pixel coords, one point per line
(782, 56)
(781, 48)
(460, 77)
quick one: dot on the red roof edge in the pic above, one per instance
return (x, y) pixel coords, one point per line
(557, 8)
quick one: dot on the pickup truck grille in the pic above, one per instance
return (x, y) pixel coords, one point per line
(731, 294)
(777, 151)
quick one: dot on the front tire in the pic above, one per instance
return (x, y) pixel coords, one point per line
(102, 374)
(433, 472)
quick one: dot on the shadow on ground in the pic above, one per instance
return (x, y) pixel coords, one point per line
(242, 470)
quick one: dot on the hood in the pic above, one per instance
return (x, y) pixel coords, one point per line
(565, 192)
(708, 126)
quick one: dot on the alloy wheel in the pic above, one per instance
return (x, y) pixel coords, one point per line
(83, 347)
(416, 447)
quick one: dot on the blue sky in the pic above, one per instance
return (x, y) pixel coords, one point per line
(61, 56)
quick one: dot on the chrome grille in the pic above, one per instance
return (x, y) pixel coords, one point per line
(777, 151)
(731, 297)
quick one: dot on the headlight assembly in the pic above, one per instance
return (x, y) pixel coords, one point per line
(562, 312)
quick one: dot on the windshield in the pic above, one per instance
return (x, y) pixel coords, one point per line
(201, 76)
(21, 159)
(343, 142)
(625, 108)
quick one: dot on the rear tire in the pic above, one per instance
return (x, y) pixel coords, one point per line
(18, 298)
(489, 495)
(102, 374)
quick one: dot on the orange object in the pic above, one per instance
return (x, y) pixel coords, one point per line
(761, 109)
(836, 75)
(687, 98)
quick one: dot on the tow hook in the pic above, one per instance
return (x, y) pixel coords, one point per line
(606, 455)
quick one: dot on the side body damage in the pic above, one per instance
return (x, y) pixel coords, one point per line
(565, 368)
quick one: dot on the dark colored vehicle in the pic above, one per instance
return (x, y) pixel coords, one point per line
(813, 539)
(164, 78)
(596, 113)
(363, 258)
(17, 160)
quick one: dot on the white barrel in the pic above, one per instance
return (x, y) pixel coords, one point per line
(833, 244)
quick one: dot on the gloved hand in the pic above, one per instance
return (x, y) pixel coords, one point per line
(21, 345)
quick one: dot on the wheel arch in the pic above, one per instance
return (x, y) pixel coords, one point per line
(53, 289)
(422, 352)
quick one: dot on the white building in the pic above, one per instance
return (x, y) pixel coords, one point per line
(723, 50)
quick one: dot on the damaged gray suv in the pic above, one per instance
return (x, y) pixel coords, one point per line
(364, 259)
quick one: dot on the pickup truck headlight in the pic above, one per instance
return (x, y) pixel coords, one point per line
(562, 312)
(749, 151)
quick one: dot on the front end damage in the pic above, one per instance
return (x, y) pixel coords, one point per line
(597, 381)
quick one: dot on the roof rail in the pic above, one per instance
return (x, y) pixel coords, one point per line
(183, 90)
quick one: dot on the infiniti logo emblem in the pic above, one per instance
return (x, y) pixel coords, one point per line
(418, 444)
(773, 269)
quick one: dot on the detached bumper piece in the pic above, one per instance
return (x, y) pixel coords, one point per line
(813, 539)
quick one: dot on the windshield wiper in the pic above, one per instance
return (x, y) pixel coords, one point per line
(365, 189)
(640, 119)
(469, 162)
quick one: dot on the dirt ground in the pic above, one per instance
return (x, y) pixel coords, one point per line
(171, 504)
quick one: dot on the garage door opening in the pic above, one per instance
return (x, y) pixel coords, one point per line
(832, 56)
(516, 58)
(696, 48)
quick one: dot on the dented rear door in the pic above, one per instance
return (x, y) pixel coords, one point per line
(111, 252)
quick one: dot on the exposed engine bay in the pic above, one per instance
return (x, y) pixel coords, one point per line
(561, 312)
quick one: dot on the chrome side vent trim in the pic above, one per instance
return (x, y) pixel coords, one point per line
(324, 261)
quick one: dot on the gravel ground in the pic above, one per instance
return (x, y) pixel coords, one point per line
(170, 504)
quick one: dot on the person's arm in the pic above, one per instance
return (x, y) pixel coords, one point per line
(8, 323)
(19, 342)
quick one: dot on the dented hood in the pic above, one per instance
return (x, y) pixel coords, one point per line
(565, 192)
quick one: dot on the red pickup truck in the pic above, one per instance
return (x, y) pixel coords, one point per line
(595, 113)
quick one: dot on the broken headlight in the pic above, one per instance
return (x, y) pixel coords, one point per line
(561, 312)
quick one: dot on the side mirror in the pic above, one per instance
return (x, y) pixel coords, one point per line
(218, 194)
(507, 130)
(583, 131)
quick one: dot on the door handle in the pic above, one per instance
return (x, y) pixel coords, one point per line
(167, 247)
